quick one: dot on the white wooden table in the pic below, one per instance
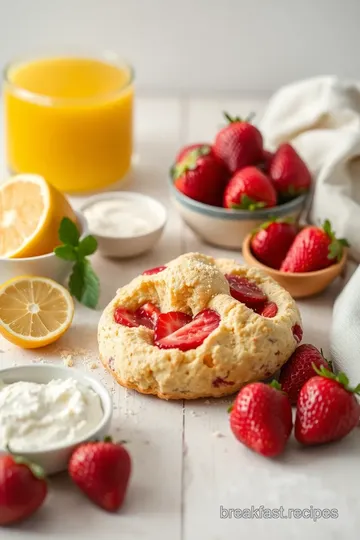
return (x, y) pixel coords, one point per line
(187, 464)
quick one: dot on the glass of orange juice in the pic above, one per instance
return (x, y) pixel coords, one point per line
(69, 119)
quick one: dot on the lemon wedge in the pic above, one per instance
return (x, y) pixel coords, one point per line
(34, 311)
(30, 214)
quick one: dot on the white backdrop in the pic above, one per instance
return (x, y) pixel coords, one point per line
(198, 46)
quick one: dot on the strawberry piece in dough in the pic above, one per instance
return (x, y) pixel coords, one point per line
(297, 332)
(269, 310)
(145, 315)
(168, 323)
(245, 291)
(152, 271)
(190, 335)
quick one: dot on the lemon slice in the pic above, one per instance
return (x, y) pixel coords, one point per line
(34, 311)
(30, 214)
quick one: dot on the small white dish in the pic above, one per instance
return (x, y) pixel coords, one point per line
(47, 265)
(56, 459)
(129, 245)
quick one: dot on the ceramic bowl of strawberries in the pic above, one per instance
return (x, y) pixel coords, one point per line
(304, 260)
(226, 189)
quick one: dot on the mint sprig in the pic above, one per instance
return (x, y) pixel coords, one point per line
(84, 284)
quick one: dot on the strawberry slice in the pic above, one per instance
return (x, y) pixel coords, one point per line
(125, 317)
(145, 315)
(245, 291)
(191, 335)
(152, 271)
(168, 323)
(297, 332)
(268, 310)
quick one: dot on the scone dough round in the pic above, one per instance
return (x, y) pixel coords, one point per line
(244, 347)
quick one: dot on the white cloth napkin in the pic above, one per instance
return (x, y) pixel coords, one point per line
(321, 118)
(345, 331)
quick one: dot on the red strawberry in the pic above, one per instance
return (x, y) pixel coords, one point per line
(245, 291)
(23, 489)
(314, 248)
(249, 189)
(188, 336)
(266, 160)
(299, 369)
(152, 271)
(268, 310)
(145, 315)
(201, 177)
(272, 241)
(168, 323)
(204, 148)
(288, 172)
(102, 471)
(261, 418)
(238, 144)
(327, 409)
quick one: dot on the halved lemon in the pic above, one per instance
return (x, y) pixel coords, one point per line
(34, 311)
(30, 214)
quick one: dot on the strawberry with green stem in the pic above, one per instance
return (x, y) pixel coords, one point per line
(249, 189)
(84, 284)
(327, 408)
(271, 241)
(288, 172)
(23, 488)
(239, 144)
(299, 369)
(314, 248)
(101, 470)
(261, 418)
(201, 176)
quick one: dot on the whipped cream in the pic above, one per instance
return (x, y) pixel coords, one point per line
(42, 416)
(119, 218)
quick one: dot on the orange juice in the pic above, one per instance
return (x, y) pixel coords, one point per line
(69, 120)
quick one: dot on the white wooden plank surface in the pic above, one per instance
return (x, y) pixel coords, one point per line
(186, 462)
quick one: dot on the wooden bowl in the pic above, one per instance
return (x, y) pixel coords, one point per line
(299, 285)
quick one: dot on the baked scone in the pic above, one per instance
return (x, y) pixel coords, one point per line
(221, 342)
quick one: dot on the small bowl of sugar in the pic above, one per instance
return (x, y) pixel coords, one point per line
(125, 223)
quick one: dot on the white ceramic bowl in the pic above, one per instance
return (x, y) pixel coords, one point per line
(228, 228)
(123, 247)
(47, 265)
(56, 459)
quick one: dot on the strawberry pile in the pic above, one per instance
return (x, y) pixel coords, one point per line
(326, 407)
(101, 470)
(236, 172)
(280, 244)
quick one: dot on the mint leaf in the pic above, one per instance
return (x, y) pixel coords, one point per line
(91, 292)
(66, 252)
(77, 281)
(84, 284)
(87, 246)
(68, 232)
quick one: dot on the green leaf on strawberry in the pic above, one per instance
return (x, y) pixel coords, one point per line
(336, 247)
(189, 163)
(341, 378)
(232, 119)
(247, 203)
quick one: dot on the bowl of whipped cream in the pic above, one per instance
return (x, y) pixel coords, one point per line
(46, 411)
